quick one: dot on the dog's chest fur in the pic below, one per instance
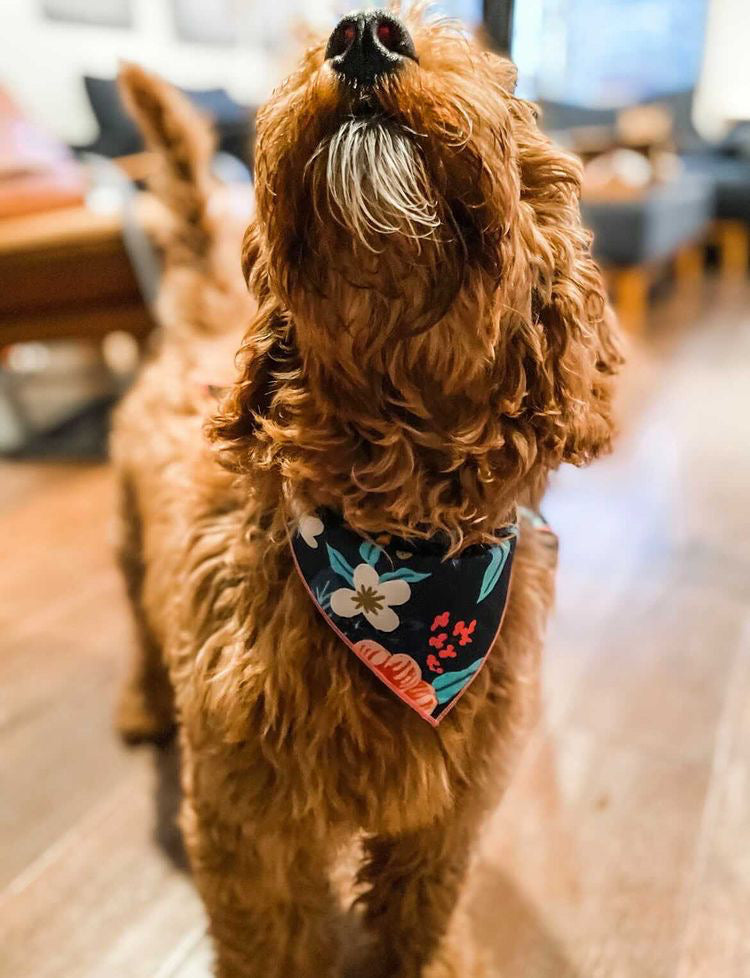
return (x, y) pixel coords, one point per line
(269, 675)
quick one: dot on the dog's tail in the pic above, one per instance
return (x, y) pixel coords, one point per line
(203, 293)
(184, 141)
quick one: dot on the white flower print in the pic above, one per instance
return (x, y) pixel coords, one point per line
(372, 598)
(310, 527)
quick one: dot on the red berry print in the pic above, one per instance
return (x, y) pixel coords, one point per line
(433, 664)
(437, 641)
(465, 631)
(449, 652)
(441, 621)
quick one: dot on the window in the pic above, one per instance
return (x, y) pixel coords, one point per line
(607, 52)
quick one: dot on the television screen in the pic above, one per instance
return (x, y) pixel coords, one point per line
(607, 52)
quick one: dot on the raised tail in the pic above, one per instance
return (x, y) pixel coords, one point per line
(202, 293)
(185, 143)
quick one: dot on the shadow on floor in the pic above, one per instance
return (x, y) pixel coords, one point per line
(510, 931)
(167, 803)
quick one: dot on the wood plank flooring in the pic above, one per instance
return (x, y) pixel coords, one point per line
(622, 849)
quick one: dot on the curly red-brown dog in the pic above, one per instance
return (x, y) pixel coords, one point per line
(320, 565)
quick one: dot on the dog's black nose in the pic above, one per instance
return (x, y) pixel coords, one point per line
(366, 45)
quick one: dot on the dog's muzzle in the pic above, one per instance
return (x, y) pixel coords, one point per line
(365, 46)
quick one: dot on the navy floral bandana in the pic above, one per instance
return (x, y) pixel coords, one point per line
(422, 623)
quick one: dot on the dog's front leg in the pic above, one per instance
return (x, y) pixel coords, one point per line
(265, 885)
(413, 884)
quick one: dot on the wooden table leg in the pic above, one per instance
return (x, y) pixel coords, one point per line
(631, 297)
(733, 240)
(688, 266)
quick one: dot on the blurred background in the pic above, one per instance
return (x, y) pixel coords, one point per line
(622, 848)
(653, 94)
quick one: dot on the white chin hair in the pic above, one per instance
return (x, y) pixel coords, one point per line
(377, 183)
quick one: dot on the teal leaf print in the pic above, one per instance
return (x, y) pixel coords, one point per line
(498, 556)
(451, 683)
(404, 574)
(323, 597)
(370, 552)
(340, 565)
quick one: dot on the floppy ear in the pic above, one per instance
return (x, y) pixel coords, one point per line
(570, 391)
(267, 364)
(269, 369)
(236, 425)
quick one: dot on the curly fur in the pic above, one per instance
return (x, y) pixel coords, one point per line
(431, 338)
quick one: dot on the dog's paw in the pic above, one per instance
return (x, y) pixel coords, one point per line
(144, 718)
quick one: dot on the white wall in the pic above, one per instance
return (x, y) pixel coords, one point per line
(724, 91)
(42, 62)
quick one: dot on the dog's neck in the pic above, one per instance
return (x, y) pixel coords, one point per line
(400, 433)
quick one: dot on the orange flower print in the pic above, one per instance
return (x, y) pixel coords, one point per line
(400, 671)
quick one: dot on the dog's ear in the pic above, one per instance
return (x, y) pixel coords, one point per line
(267, 362)
(583, 354)
(573, 350)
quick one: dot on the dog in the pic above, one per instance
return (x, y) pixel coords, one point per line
(428, 338)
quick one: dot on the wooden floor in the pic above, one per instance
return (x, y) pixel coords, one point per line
(623, 847)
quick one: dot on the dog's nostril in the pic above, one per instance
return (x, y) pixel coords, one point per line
(386, 35)
(365, 46)
(394, 37)
(342, 39)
